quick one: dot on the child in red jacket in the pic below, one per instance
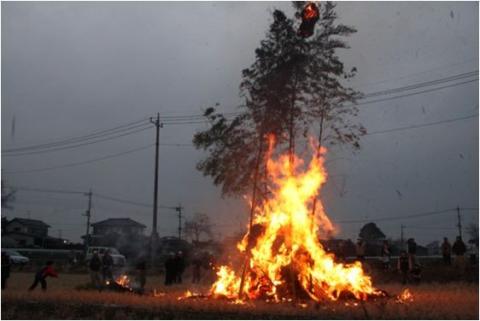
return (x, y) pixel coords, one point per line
(42, 274)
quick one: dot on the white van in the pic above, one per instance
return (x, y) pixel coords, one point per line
(118, 259)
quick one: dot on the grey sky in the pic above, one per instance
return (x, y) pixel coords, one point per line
(71, 68)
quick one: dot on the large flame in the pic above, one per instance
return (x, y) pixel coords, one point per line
(284, 257)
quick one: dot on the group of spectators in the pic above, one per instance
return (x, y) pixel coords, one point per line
(101, 269)
(407, 263)
(174, 268)
(459, 249)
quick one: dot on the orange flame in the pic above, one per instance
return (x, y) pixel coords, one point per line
(405, 297)
(285, 257)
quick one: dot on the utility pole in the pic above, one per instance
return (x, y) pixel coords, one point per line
(459, 224)
(154, 236)
(88, 214)
(179, 210)
(402, 227)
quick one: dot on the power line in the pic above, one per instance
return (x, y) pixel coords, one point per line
(80, 163)
(411, 216)
(422, 84)
(412, 94)
(364, 85)
(81, 144)
(399, 217)
(110, 198)
(95, 134)
(421, 125)
(41, 190)
(124, 201)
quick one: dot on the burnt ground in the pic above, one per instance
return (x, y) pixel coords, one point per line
(453, 300)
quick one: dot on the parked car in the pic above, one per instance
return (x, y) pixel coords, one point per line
(15, 257)
(118, 259)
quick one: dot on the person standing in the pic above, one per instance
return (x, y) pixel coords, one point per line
(360, 249)
(386, 255)
(169, 269)
(141, 274)
(446, 252)
(95, 266)
(179, 267)
(341, 251)
(42, 274)
(196, 269)
(107, 267)
(5, 269)
(403, 266)
(459, 250)
(412, 251)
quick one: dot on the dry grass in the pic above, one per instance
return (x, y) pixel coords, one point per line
(61, 301)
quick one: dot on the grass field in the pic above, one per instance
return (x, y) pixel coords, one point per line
(453, 300)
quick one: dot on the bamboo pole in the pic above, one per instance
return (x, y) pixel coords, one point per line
(252, 211)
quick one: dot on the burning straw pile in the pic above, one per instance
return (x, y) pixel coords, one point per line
(285, 260)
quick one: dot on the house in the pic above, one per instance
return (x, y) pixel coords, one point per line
(27, 232)
(124, 234)
(433, 248)
(122, 226)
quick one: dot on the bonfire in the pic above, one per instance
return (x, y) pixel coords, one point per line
(285, 260)
(120, 284)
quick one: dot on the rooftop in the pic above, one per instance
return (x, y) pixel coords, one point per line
(120, 222)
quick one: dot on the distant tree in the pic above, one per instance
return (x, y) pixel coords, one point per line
(199, 225)
(371, 233)
(8, 196)
(472, 230)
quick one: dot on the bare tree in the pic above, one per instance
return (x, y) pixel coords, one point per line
(200, 225)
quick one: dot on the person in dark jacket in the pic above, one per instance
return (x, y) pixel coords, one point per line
(459, 250)
(42, 274)
(107, 267)
(169, 269)
(196, 268)
(416, 273)
(5, 269)
(403, 266)
(412, 251)
(141, 268)
(95, 266)
(446, 252)
(179, 267)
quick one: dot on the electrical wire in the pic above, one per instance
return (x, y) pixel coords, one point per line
(412, 94)
(422, 84)
(398, 217)
(148, 126)
(420, 125)
(42, 190)
(81, 163)
(124, 201)
(95, 134)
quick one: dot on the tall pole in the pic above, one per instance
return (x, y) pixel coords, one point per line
(402, 227)
(179, 210)
(154, 235)
(459, 224)
(88, 214)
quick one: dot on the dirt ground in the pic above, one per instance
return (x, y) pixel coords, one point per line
(455, 300)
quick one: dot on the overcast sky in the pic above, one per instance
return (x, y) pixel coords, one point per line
(71, 68)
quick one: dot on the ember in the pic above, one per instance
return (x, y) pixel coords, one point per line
(405, 297)
(285, 259)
